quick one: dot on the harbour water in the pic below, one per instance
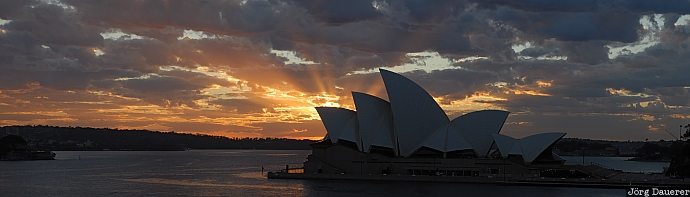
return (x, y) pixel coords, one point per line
(619, 163)
(223, 173)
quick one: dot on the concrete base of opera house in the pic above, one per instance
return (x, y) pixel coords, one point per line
(340, 162)
(496, 180)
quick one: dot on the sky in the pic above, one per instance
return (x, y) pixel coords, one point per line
(598, 69)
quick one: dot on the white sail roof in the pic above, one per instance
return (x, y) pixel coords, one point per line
(456, 141)
(413, 120)
(446, 140)
(437, 140)
(529, 147)
(477, 128)
(375, 121)
(340, 123)
(534, 145)
(505, 144)
(416, 115)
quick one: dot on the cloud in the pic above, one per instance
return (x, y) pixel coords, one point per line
(248, 105)
(10, 8)
(676, 6)
(340, 11)
(212, 66)
(573, 26)
(599, 126)
(51, 25)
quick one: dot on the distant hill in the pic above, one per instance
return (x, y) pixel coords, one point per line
(84, 138)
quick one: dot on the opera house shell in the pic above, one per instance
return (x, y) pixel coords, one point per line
(401, 135)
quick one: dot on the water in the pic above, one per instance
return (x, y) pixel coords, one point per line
(620, 163)
(219, 173)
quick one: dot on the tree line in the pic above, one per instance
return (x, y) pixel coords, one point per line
(56, 138)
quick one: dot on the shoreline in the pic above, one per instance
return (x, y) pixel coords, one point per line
(648, 160)
(174, 150)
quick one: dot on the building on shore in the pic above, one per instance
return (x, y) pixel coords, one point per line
(411, 135)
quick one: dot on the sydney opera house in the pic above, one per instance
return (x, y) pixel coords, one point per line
(411, 135)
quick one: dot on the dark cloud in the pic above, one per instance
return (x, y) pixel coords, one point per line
(371, 36)
(573, 26)
(675, 6)
(53, 57)
(51, 25)
(224, 17)
(9, 8)
(248, 105)
(216, 129)
(675, 96)
(313, 128)
(340, 11)
(195, 78)
(598, 126)
(422, 10)
(162, 90)
(452, 83)
(24, 117)
(589, 52)
(143, 55)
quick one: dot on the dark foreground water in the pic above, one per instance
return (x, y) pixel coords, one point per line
(219, 173)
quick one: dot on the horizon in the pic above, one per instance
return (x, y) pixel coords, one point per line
(258, 68)
(318, 139)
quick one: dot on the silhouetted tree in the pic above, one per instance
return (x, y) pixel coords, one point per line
(680, 159)
(653, 151)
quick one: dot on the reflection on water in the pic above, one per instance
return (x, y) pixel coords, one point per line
(218, 173)
(207, 183)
